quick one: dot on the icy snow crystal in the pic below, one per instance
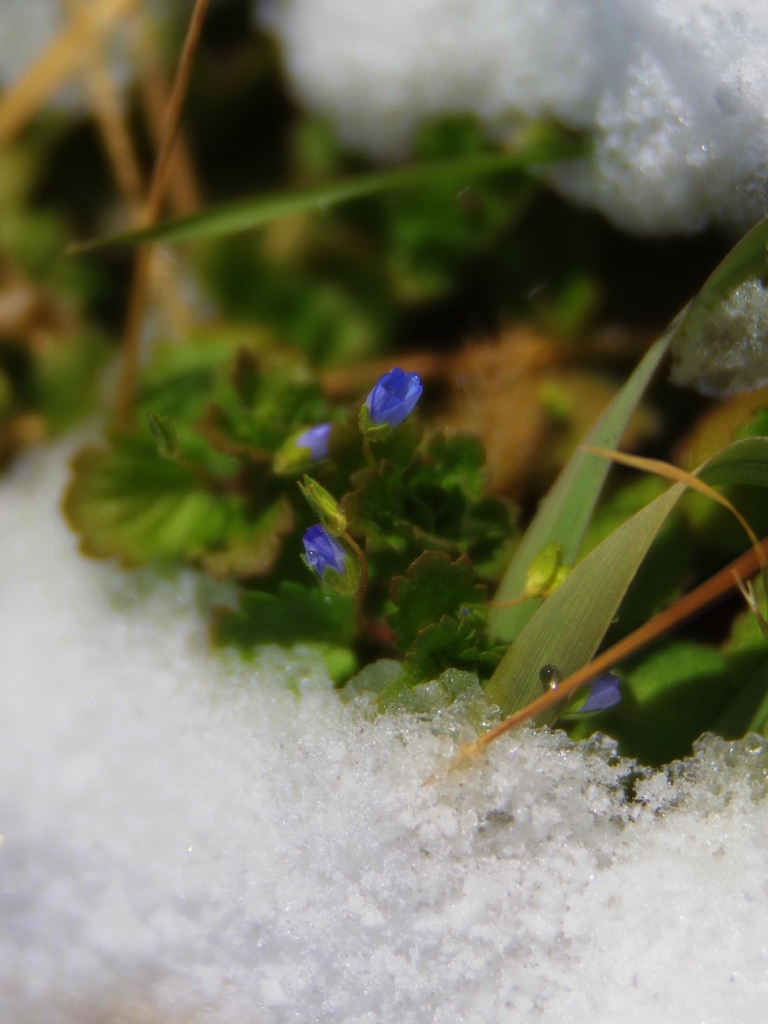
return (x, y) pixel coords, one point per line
(676, 91)
(187, 838)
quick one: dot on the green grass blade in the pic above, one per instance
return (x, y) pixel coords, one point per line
(743, 462)
(565, 513)
(538, 145)
(569, 626)
(747, 259)
(712, 349)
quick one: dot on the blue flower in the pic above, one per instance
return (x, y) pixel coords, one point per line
(393, 398)
(324, 552)
(603, 694)
(316, 439)
(301, 450)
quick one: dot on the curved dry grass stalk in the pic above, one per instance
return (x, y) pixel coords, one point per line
(141, 275)
(670, 472)
(61, 60)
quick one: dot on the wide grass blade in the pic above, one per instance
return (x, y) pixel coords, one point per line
(538, 145)
(747, 259)
(564, 514)
(721, 344)
(569, 626)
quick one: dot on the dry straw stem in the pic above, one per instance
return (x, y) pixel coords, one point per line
(670, 472)
(713, 590)
(107, 105)
(140, 284)
(60, 61)
(183, 193)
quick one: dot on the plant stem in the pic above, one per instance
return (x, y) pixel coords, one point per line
(369, 456)
(140, 285)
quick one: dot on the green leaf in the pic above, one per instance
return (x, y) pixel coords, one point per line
(164, 435)
(565, 513)
(452, 643)
(66, 377)
(457, 462)
(432, 587)
(295, 614)
(252, 549)
(669, 699)
(569, 626)
(748, 711)
(127, 501)
(742, 462)
(539, 145)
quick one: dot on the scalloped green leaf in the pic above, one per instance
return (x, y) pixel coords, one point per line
(128, 501)
(452, 643)
(433, 586)
(295, 614)
(253, 548)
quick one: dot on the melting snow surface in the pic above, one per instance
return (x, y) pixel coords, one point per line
(190, 839)
(676, 91)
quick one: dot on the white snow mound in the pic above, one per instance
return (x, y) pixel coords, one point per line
(675, 91)
(190, 839)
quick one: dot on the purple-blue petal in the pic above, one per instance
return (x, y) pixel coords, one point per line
(603, 694)
(322, 551)
(316, 439)
(393, 397)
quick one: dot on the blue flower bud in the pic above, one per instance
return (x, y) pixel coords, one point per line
(393, 398)
(323, 551)
(603, 694)
(302, 450)
(336, 567)
(316, 440)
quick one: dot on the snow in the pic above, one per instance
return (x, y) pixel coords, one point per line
(724, 350)
(26, 26)
(675, 91)
(189, 838)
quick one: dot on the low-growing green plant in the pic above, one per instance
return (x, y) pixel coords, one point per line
(368, 534)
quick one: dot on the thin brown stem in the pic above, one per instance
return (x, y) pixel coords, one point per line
(61, 59)
(140, 285)
(183, 191)
(712, 590)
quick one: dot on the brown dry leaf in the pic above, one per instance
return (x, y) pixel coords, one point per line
(529, 409)
(714, 429)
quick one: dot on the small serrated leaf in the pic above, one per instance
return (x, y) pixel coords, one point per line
(253, 549)
(127, 501)
(432, 587)
(452, 643)
(295, 614)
